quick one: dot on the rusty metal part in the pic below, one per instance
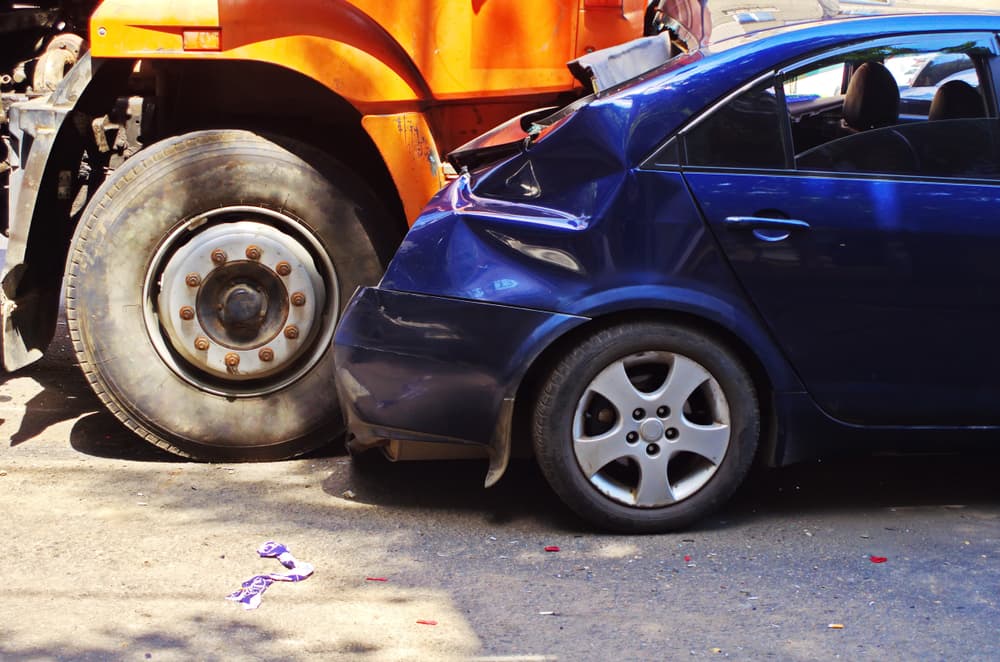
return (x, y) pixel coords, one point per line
(232, 359)
(298, 299)
(118, 133)
(283, 268)
(243, 305)
(291, 332)
(253, 252)
(187, 313)
(192, 280)
(219, 256)
(201, 344)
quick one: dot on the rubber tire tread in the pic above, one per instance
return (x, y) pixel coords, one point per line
(371, 235)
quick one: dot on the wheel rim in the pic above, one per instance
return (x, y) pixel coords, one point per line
(241, 301)
(651, 429)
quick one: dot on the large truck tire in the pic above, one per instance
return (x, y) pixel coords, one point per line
(203, 286)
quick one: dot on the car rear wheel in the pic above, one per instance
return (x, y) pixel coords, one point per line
(204, 283)
(646, 427)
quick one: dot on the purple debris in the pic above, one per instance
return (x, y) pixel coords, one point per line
(251, 592)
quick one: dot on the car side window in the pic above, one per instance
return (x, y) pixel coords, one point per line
(911, 109)
(745, 132)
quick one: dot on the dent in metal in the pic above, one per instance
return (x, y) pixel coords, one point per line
(554, 256)
(464, 201)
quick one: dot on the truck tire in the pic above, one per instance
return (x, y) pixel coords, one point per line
(203, 285)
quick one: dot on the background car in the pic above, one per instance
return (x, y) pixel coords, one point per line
(703, 266)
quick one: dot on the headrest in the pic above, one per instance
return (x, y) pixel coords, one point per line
(872, 98)
(956, 100)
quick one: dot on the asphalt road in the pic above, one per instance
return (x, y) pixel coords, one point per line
(118, 551)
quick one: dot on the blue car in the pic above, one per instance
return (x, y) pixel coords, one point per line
(733, 255)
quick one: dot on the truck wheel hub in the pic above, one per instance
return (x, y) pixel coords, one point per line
(243, 309)
(249, 273)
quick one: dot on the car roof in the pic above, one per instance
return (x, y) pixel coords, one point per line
(861, 27)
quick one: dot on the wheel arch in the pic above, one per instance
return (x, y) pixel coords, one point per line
(245, 95)
(767, 369)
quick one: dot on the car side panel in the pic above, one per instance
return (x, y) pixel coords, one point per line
(648, 250)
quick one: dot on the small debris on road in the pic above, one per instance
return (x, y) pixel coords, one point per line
(348, 494)
(835, 626)
(376, 579)
(878, 559)
(251, 591)
(552, 548)
(426, 622)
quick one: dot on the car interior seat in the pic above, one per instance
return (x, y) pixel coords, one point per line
(872, 99)
(871, 142)
(956, 100)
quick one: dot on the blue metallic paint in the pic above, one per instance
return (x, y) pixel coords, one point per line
(423, 367)
(886, 276)
(575, 228)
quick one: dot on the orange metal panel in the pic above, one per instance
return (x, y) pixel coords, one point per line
(176, 13)
(407, 146)
(137, 27)
(600, 28)
(444, 49)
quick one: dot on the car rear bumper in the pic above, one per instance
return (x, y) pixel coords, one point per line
(415, 367)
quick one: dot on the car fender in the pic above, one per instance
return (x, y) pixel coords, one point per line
(717, 310)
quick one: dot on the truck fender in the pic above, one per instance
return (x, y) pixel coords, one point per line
(330, 41)
(29, 314)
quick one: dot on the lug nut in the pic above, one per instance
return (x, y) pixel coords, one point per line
(219, 256)
(672, 433)
(638, 414)
(652, 449)
(298, 299)
(201, 344)
(192, 280)
(663, 412)
(291, 332)
(266, 354)
(187, 313)
(253, 252)
(632, 437)
(283, 268)
(232, 359)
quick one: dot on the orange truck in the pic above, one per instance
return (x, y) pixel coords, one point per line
(209, 180)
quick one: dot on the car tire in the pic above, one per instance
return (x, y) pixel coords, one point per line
(188, 270)
(646, 427)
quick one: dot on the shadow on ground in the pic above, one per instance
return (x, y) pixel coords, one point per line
(862, 482)
(453, 486)
(851, 485)
(64, 393)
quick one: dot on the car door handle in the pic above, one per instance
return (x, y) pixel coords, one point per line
(762, 223)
